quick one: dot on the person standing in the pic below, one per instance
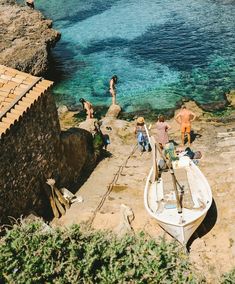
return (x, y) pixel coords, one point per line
(142, 136)
(162, 131)
(185, 118)
(112, 88)
(88, 107)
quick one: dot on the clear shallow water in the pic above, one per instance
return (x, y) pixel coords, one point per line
(161, 50)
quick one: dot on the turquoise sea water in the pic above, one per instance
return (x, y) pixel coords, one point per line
(161, 50)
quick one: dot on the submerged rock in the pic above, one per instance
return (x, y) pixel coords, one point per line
(214, 106)
(26, 38)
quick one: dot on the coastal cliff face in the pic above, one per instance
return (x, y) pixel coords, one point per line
(25, 38)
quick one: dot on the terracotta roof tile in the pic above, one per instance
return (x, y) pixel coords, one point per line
(18, 91)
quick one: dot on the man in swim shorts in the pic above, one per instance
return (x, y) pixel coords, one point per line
(184, 118)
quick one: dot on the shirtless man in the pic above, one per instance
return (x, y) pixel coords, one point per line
(88, 107)
(112, 88)
(184, 118)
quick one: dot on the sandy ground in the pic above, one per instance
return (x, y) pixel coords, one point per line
(120, 179)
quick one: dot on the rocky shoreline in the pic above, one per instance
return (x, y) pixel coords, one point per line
(26, 38)
(217, 107)
(213, 248)
(73, 115)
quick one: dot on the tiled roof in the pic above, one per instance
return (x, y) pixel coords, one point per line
(18, 91)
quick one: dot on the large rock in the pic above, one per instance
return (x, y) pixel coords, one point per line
(88, 124)
(77, 155)
(113, 111)
(62, 110)
(26, 38)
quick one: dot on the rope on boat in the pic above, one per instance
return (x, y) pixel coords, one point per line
(110, 186)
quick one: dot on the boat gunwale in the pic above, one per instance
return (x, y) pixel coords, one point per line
(203, 211)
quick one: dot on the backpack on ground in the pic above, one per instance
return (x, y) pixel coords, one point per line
(189, 153)
(197, 155)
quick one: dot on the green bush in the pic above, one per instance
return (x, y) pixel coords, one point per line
(228, 278)
(36, 253)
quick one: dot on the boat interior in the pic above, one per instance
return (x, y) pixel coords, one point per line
(168, 189)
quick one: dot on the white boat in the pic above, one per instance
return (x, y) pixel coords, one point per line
(179, 198)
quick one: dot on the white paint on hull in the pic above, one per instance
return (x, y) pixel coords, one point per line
(180, 226)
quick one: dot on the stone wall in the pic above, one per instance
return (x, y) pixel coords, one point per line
(33, 150)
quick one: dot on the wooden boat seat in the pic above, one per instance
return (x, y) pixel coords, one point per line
(168, 189)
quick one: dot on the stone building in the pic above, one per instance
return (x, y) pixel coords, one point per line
(32, 146)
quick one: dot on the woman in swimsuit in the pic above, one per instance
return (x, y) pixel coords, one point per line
(112, 88)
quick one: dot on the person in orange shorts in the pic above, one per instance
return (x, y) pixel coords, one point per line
(184, 118)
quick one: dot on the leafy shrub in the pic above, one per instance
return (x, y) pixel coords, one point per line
(36, 253)
(228, 278)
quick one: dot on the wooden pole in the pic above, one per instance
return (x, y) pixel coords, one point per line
(154, 152)
(179, 204)
(152, 142)
(170, 167)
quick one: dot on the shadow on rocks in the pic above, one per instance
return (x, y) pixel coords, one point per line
(194, 136)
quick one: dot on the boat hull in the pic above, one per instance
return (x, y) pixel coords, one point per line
(181, 226)
(182, 233)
